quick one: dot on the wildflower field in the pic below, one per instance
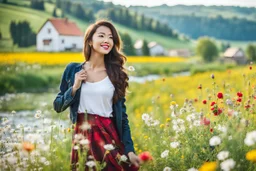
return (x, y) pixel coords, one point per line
(65, 58)
(203, 122)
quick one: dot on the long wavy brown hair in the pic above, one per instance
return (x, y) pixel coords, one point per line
(114, 60)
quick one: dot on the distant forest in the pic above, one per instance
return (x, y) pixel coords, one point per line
(229, 29)
(222, 22)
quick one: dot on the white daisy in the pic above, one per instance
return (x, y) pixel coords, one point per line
(227, 165)
(165, 154)
(109, 147)
(223, 155)
(215, 140)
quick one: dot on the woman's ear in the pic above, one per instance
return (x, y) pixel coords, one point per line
(90, 43)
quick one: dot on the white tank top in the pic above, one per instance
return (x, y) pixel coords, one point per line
(96, 98)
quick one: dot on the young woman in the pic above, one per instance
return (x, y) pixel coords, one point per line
(95, 92)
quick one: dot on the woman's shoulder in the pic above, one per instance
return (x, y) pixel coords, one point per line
(70, 68)
(72, 64)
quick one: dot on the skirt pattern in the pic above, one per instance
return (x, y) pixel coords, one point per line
(99, 131)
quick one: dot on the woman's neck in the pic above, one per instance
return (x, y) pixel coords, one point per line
(97, 61)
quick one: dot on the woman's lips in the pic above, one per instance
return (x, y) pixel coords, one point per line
(105, 47)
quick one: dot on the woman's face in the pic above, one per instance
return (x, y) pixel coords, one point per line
(102, 40)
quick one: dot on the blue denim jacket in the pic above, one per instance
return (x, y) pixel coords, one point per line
(64, 100)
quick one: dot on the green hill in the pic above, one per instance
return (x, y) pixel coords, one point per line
(36, 18)
(221, 22)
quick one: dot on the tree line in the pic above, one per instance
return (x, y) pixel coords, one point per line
(22, 34)
(218, 27)
(139, 21)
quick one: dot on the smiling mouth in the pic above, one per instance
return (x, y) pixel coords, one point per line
(106, 47)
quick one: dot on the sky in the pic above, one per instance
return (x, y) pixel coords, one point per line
(127, 3)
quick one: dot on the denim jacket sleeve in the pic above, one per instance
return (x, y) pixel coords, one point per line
(126, 135)
(64, 98)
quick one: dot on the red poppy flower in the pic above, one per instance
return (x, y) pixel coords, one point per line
(239, 100)
(213, 103)
(239, 94)
(205, 121)
(211, 130)
(250, 67)
(247, 106)
(145, 156)
(204, 101)
(200, 86)
(217, 112)
(220, 95)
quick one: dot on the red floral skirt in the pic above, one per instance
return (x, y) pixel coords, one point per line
(101, 132)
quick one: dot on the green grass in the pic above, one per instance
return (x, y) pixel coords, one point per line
(166, 42)
(10, 13)
(20, 2)
(37, 18)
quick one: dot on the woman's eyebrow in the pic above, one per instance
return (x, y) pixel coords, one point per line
(104, 33)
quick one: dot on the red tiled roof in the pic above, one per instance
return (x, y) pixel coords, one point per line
(65, 27)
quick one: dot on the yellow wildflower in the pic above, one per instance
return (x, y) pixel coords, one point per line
(208, 166)
(173, 103)
(162, 126)
(251, 155)
(168, 119)
(68, 129)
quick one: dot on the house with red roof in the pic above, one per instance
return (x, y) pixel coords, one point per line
(58, 34)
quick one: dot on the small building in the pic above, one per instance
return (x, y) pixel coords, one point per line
(179, 53)
(138, 47)
(234, 55)
(58, 34)
(155, 49)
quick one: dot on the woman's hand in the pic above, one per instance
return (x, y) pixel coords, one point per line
(79, 77)
(135, 160)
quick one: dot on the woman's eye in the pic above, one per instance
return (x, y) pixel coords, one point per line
(100, 35)
(111, 37)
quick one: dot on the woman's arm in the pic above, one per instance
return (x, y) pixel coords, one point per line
(126, 133)
(127, 140)
(64, 98)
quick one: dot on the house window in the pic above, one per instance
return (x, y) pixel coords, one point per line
(62, 41)
(49, 31)
(47, 42)
(73, 46)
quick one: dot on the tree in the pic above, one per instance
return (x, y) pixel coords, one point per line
(22, 34)
(127, 44)
(54, 14)
(145, 49)
(78, 11)
(58, 3)
(89, 15)
(37, 4)
(224, 46)
(251, 52)
(207, 49)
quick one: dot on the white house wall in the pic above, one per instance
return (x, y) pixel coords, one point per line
(43, 34)
(70, 42)
(157, 50)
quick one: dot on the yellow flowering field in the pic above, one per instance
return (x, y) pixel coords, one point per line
(65, 58)
(202, 122)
